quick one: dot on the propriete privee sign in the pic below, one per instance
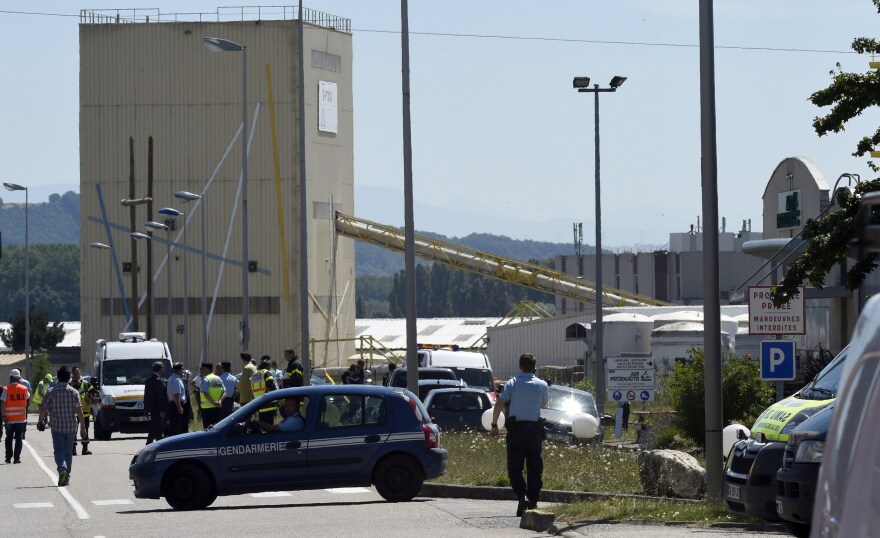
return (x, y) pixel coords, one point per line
(764, 318)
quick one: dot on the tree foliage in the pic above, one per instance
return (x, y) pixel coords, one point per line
(744, 396)
(53, 281)
(848, 95)
(42, 335)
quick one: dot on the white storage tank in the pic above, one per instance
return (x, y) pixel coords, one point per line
(674, 341)
(728, 324)
(625, 333)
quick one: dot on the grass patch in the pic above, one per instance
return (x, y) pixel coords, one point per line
(476, 459)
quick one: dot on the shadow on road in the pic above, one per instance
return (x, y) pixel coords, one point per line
(264, 506)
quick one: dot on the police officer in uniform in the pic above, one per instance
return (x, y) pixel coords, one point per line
(526, 395)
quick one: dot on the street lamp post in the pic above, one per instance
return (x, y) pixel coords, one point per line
(131, 203)
(216, 44)
(102, 246)
(151, 299)
(27, 291)
(153, 225)
(187, 197)
(582, 85)
(172, 215)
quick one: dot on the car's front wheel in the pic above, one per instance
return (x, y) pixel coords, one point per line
(398, 478)
(188, 487)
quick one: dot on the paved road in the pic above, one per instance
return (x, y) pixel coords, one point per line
(100, 503)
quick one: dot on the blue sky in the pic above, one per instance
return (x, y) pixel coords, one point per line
(497, 128)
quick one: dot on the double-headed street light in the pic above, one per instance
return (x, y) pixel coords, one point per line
(172, 214)
(101, 246)
(187, 197)
(582, 85)
(216, 44)
(132, 203)
(27, 293)
(151, 300)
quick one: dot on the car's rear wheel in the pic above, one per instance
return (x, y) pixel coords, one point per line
(188, 487)
(398, 478)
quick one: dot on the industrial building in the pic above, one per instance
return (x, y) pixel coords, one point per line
(160, 113)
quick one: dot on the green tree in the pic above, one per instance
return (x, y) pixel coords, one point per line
(848, 95)
(744, 395)
(42, 336)
(53, 280)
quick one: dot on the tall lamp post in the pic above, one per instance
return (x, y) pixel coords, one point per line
(102, 246)
(132, 203)
(189, 197)
(582, 85)
(151, 299)
(172, 215)
(216, 44)
(153, 225)
(27, 291)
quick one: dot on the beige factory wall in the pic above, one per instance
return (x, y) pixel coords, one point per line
(142, 80)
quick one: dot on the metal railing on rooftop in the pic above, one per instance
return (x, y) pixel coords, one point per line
(221, 14)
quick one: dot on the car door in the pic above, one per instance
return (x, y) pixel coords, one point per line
(349, 430)
(253, 459)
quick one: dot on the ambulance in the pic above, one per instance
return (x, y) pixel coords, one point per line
(750, 485)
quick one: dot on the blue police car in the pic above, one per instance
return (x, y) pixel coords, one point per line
(349, 435)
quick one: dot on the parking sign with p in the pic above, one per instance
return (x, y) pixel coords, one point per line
(777, 360)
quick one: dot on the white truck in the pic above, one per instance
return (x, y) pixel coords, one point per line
(121, 370)
(472, 367)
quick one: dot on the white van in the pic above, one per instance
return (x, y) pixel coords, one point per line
(472, 367)
(121, 371)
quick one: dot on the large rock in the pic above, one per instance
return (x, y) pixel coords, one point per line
(671, 473)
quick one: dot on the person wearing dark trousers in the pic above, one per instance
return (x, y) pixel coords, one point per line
(154, 402)
(13, 407)
(526, 395)
(175, 396)
(211, 394)
(229, 383)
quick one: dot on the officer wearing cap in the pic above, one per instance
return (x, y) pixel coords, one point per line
(526, 395)
(176, 394)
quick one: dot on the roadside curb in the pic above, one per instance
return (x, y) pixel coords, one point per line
(494, 493)
(577, 528)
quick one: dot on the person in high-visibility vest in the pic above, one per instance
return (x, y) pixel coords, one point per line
(262, 382)
(210, 395)
(86, 391)
(41, 390)
(13, 408)
(293, 374)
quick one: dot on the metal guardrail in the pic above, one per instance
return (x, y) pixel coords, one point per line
(221, 14)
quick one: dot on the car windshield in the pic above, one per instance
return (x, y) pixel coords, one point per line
(475, 377)
(459, 401)
(131, 371)
(570, 401)
(826, 383)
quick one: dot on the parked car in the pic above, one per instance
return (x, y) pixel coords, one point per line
(849, 480)
(750, 486)
(398, 377)
(796, 480)
(563, 405)
(457, 408)
(428, 385)
(353, 435)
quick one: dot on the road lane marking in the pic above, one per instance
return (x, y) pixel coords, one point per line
(110, 502)
(347, 490)
(77, 507)
(270, 494)
(33, 505)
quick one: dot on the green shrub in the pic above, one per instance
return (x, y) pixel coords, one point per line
(744, 395)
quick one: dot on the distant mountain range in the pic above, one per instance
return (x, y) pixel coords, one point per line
(58, 222)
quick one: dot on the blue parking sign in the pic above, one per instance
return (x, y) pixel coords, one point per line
(777, 360)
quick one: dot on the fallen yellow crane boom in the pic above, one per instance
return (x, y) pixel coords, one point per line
(482, 263)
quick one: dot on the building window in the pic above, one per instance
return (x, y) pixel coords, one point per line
(326, 61)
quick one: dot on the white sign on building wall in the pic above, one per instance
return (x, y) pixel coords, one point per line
(764, 318)
(328, 121)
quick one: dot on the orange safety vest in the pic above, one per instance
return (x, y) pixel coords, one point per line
(16, 403)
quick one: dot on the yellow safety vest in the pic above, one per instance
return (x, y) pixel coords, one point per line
(40, 393)
(84, 389)
(258, 386)
(215, 389)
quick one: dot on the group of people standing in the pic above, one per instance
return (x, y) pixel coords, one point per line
(214, 391)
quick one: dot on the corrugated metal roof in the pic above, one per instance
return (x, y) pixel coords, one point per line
(391, 332)
(72, 335)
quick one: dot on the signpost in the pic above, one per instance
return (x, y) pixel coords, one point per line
(777, 360)
(764, 318)
(631, 379)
